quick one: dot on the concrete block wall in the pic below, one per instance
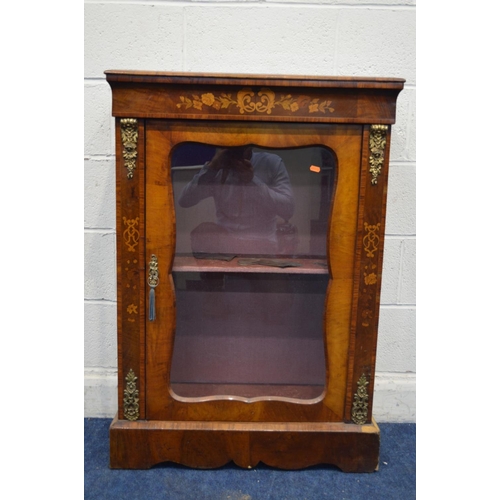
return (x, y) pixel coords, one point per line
(316, 37)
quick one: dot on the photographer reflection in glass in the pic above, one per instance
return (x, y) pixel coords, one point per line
(250, 190)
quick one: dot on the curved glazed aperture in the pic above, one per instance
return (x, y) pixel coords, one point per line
(250, 272)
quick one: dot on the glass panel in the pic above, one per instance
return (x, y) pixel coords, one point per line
(250, 270)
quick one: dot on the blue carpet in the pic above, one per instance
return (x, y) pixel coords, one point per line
(395, 479)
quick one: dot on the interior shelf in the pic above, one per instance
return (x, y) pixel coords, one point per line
(207, 391)
(251, 265)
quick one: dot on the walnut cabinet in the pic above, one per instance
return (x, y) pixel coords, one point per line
(250, 233)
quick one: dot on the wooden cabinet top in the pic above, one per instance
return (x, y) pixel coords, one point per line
(244, 79)
(206, 96)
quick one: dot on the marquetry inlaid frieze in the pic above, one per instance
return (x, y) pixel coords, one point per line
(248, 101)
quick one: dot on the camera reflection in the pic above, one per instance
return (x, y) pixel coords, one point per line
(250, 190)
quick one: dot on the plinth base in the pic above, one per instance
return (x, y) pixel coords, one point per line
(205, 445)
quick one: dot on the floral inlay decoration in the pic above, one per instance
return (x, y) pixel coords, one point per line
(247, 101)
(131, 234)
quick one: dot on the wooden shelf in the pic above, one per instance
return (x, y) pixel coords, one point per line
(251, 265)
(247, 392)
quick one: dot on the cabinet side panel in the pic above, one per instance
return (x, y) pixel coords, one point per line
(130, 266)
(368, 273)
(119, 294)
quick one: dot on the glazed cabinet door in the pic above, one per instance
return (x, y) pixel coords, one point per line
(251, 231)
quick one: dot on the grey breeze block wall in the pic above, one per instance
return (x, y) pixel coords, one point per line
(318, 37)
